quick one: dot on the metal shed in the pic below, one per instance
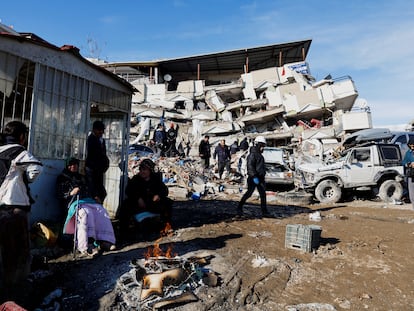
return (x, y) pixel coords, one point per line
(59, 94)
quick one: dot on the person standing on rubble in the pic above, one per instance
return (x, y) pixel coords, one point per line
(160, 138)
(244, 144)
(222, 153)
(408, 163)
(234, 148)
(19, 168)
(256, 171)
(204, 150)
(172, 141)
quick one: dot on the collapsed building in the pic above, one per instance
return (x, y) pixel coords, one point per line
(267, 90)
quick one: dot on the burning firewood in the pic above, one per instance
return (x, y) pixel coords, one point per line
(153, 283)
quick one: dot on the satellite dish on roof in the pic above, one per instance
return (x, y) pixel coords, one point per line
(167, 77)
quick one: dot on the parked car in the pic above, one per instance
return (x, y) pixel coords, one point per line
(369, 166)
(278, 171)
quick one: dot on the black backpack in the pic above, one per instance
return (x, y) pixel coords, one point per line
(5, 160)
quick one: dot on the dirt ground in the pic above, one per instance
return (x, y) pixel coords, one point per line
(365, 260)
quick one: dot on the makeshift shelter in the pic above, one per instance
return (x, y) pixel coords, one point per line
(59, 94)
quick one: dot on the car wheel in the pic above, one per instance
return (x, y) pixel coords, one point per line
(328, 191)
(390, 190)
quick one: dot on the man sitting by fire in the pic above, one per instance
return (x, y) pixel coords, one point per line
(147, 199)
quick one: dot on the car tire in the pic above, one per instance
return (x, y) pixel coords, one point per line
(328, 191)
(390, 190)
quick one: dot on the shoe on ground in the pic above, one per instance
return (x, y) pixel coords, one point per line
(91, 253)
(112, 247)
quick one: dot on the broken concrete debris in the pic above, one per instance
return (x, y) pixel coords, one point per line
(285, 104)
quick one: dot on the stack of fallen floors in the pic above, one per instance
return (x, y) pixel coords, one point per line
(284, 104)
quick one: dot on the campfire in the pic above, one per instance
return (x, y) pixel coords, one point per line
(162, 278)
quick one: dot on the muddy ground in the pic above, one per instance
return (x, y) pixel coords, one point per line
(365, 260)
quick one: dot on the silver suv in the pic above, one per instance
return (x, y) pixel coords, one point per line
(370, 166)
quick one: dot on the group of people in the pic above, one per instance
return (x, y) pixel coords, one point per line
(80, 197)
(165, 140)
(256, 169)
(222, 153)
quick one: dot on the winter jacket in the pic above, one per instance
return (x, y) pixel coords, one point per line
(24, 169)
(66, 182)
(222, 153)
(244, 145)
(159, 136)
(138, 188)
(204, 149)
(255, 163)
(96, 159)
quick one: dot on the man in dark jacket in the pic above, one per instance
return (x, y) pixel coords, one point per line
(244, 144)
(160, 138)
(222, 153)
(97, 162)
(256, 171)
(205, 151)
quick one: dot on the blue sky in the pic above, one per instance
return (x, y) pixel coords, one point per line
(371, 41)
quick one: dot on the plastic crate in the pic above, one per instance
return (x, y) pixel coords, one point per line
(303, 237)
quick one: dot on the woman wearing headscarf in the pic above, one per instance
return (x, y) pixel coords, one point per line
(94, 229)
(147, 195)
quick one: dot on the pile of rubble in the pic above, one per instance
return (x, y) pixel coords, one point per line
(186, 177)
(285, 104)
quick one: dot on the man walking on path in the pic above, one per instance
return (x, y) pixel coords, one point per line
(256, 171)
